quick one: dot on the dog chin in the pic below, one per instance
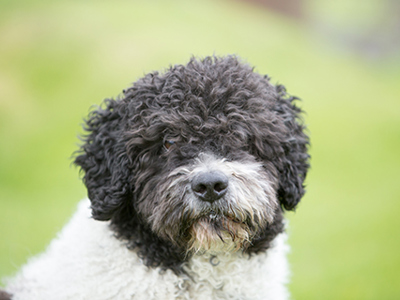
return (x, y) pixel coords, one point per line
(215, 233)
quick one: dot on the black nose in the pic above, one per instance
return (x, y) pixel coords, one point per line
(210, 186)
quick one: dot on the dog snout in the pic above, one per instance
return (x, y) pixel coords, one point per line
(210, 186)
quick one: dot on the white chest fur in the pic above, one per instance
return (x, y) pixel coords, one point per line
(86, 261)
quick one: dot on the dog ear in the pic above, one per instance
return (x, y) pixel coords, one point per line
(103, 159)
(294, 164)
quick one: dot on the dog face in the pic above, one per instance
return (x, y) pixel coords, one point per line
(200, 158)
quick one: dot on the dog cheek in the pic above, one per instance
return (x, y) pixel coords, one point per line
(162, 208)
(254, 195)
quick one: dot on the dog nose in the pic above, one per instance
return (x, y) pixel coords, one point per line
(210, 186)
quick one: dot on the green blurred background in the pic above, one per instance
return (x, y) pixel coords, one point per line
(58, 58)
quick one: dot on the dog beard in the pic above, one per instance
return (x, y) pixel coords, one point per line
(228, 224)
(216, 233)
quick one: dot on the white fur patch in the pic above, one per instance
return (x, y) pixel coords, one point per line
(87, 262)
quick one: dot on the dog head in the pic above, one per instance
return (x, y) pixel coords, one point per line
(200, 158)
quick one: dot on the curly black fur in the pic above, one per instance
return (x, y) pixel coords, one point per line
(215, 104)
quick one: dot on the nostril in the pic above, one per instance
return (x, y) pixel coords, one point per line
(220, 186)
(200, 188)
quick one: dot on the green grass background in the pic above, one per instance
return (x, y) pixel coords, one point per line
(57, 58)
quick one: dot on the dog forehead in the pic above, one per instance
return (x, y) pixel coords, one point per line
(220, 101)
(207, 111)
(213, 86)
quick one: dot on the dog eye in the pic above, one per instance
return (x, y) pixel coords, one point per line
(168, 144)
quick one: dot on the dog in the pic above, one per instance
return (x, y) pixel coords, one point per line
(188, 173)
